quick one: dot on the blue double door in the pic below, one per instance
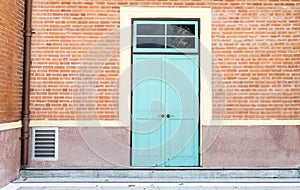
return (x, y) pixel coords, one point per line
(165, 110)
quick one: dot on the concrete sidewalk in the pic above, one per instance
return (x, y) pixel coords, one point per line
(161, 179)
(152, 186)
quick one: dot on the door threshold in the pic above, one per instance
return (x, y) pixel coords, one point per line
(158, 168)
(111, 168)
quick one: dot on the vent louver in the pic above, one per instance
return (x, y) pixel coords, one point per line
(45, 144)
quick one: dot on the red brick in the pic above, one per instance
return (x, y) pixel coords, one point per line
(255, 45)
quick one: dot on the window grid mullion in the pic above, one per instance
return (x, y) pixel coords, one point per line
(165, 36)
(150, 35)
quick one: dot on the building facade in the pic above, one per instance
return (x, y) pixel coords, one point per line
(11, 64)
(122, 84)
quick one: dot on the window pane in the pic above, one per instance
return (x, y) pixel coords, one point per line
(150, 42)
(180, 42)
(150, 29)
(181, 29)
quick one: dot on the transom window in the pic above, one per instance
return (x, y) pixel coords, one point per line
(165, 36)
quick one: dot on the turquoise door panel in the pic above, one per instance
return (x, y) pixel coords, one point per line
(148, 89)
(182, 104)
(148, 97)
(182, 86)
(165, 112)
(147, 140)
(182, 142)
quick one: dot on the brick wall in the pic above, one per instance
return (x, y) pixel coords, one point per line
(11, 64)
(11, 59)
(256, 54)
(255, 46)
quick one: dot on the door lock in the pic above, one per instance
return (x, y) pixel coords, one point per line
(163, 115)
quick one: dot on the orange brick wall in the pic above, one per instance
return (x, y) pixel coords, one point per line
(11, 59)
(255, 44)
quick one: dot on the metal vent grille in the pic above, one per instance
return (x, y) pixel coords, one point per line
(45, 144)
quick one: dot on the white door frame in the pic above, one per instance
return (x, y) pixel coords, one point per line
(126, 16)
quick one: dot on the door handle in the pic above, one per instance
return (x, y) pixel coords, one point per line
(168, 115)
(162, 115)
